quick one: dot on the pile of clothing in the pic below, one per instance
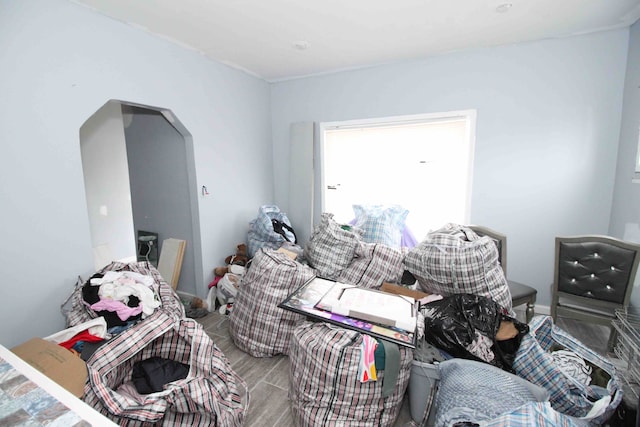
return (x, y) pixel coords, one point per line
(149, 363)
(121, 297)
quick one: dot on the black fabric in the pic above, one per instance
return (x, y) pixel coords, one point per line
(90, 347)
(89, 292)
(407, 278)
(150, 375)
(279, 227)
(451, 324)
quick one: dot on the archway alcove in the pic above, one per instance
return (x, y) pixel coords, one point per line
(139, 175)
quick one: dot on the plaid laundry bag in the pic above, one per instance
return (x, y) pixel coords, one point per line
(569, 394)
(378, 263)
(256, 324)
(331, 248)
(212, 394)
(472, 392)
(76, 311)
(476, 393)
(455, 260)
(324, 387)
(538, 414)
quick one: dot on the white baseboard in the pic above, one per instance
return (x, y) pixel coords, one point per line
(186, 295)
(209, 301)
(543, 309)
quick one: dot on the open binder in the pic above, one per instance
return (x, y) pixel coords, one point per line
(383, 315)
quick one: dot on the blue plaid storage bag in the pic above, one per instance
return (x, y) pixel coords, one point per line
(581, 383)
(270, 229)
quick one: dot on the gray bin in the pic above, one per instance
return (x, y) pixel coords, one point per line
(423, 386)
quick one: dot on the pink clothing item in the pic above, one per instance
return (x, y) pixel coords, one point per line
(215, 282)
(122, 310)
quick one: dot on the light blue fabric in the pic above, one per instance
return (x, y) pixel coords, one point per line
(534, 414)
(381, 223)
(474, 391)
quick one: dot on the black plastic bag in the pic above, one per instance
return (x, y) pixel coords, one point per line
(466, 326)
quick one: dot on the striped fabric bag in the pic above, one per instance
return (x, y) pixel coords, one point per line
(331, 248)
(256, 324)
(378, 263)
(76, 311)
(535, 362)
(324, 387)
(455, 260)
(476, 393)
(211, 395)
(538, 414)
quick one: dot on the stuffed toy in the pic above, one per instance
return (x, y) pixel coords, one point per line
(240, 258)
(234, 263)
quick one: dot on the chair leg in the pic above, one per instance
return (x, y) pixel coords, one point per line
(613, 339)
(530, 311)
(554, 303)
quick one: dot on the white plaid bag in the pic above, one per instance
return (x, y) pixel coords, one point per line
(378, 263)
(256, 324)
(324, 388)
(212, 394)
(331, 248)
(455, 260)
(535, 362)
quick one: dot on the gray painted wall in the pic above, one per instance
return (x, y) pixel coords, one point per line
(61, 63)
(549, 116)
(625, 215)
(160, 185)
(547, 129)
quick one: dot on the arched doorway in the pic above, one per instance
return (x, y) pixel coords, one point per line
(139, 174)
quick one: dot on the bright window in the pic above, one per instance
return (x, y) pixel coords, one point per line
(423, 163)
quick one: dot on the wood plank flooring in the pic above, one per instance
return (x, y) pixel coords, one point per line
(267, 378)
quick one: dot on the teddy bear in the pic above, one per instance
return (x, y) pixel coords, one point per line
(234, 263)
(240, 257)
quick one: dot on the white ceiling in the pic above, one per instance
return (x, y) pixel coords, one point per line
(282, 39)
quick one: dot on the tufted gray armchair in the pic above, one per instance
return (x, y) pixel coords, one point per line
(593, 277)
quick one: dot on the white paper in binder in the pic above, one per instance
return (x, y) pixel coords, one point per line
(370, 305)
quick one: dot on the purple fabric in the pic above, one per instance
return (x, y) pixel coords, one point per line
(408, 240)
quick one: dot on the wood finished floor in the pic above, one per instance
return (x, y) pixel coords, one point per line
(268, 378)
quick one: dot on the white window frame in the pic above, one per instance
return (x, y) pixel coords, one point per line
(469, 115)
(636, 173)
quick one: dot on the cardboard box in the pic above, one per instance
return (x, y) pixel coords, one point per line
(402, 290)
(56, 362)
